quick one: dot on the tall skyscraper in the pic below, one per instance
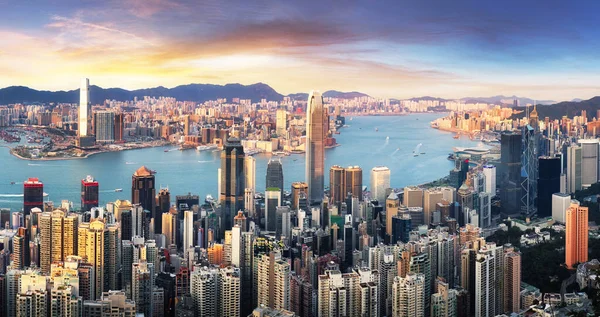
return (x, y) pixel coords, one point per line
(143, 189)
(58, 237)
(104, 124)
(443, 302)
(576, 235)
(92, 240)
(273, 277)
(89, 193)
(560, 204)
(33, 195)
(353, 181)
(489, 171)
(274, 177)
(510, 172)
(281, 122)
(529, 170)
(512, 282)
(250, 172)
(84, 107)
(119, 125)
(233, 183)
(337, 188)
(408, 296)
(297, 189)
(188, 229)
(272, 201)
(413, 196)
(163, 206)
(431, 197)
(142, 284)
(21, 249)
(589, 161)
(392, 206)
(548, 184)
(380, 182)
(574, 171)
(315, 147)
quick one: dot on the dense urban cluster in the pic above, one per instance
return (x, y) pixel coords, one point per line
(345, 249)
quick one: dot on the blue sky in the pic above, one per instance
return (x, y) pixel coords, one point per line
(452, 49)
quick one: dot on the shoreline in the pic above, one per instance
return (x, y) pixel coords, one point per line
(70, 158)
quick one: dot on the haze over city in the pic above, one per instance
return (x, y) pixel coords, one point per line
(394, 49)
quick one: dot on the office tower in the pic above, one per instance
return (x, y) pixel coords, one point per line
(250, 172)
(380, 182)
(89, 193)
(392, 205)
(529, 171)
(574, 171)
(510, 172)
(548, 184)
(110, 304)
(143, 189)
(119, 125)
(283, 226)
(281, 122)
(84, 108)
(443, 302)
(33, 195)
(58, 237)
(231, 193)
(249, 202)
(21, 256)
(142, 284)
(489, 172)
(337, 187)
(297, 189)
(92, 239)
(163, 206)
(349, 245)
(185, 202)
(275, 176)
(413, 196)
(512, 282)
(576, 235)
(104, 123)
(188, 230)
(315, 147)
(169, 228)
(272, 201)
(560, 204)
(273, 277)
(408, 296)
(589, 161)
(431, 197)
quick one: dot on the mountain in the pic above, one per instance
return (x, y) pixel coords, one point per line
(506, 100)
(299, 96)
(343, 95)
(191, 92)
(428, 98)
(567, 108)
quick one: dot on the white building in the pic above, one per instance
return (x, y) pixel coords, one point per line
(408, 296)
(560, 204)
(188, 229)
(380, 182)
(489, 171)
(84, 107)
(589, 161)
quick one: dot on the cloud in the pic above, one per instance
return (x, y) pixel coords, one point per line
(149, 8)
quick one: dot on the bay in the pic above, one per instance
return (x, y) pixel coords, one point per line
(364, 143)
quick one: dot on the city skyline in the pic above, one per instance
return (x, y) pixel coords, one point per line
(407, 50)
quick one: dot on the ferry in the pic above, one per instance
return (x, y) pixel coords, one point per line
(281, 153)
(376, 129)
(118, 190)
(166, 150)
(12, 183)
(205, 147)
(456, 136)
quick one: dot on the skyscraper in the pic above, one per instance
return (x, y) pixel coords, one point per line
(89, 193)
(272, 201)
(408, 296)
(510, 172)
(576, 235)
(92, 240)
(380, 182)
(104, 124)
(574, 172)
(84, 107)
(589, 161)
(529, 170)
(489, 171)
(512, 282)
(337, 188)
(281, 121)
(33, 195)
(233, 183)
(443, 302)
(274, 178)
(353, 182)
(142, 284)
(560, 204)
(315, 147)
(143, 189)
(164, 205)
(250, 172)
(188, 230)
(297, 189)
(273, 276)
(58, 237)
(548, 184)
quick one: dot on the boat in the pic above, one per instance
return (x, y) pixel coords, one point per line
(376, 129)
(456, 136)
(166, 150)
(205, 147)
(417, 150)
(12, 183)
(351, 118)
(387, 137)
(118, 190)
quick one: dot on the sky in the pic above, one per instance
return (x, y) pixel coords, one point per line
(395, 49)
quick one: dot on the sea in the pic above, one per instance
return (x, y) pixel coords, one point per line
(366, 142)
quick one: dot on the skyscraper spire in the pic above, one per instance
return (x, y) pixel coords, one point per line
(315, 136)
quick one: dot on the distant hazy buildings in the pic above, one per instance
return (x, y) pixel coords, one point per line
(84, 108)
(104, 123)
(315, 147)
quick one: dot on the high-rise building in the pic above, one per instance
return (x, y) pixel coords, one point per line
(104, 123)
(560, 204)
(574, 171)
(512, 282)
(488, 288)
(119, 125)
(250, 172)
(548, 184)
(408, 295)
(233, 184)
(401, 227)
(89, 193)
(589, 161)
(163, 206)
(229, 292)
(21, 254)
(143, 189)
(315, 147)
(273, 277)
(431, 197)
(353, 182)
(347, 294)
(337, 188)
(443, 302)
(510, 172)
(489, 172)
(380, 182)
(142, 284)
(297, 189)
(272, 201)
(529, 170)
(58, 237)
(413, 196)
(576, 235)
(111, 303)
(188, 229)
(84, 108)
(92, 240)
(281, 122)
(33, 195)
(274, 178)
(392, 206)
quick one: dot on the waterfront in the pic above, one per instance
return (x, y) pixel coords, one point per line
(364, 143)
